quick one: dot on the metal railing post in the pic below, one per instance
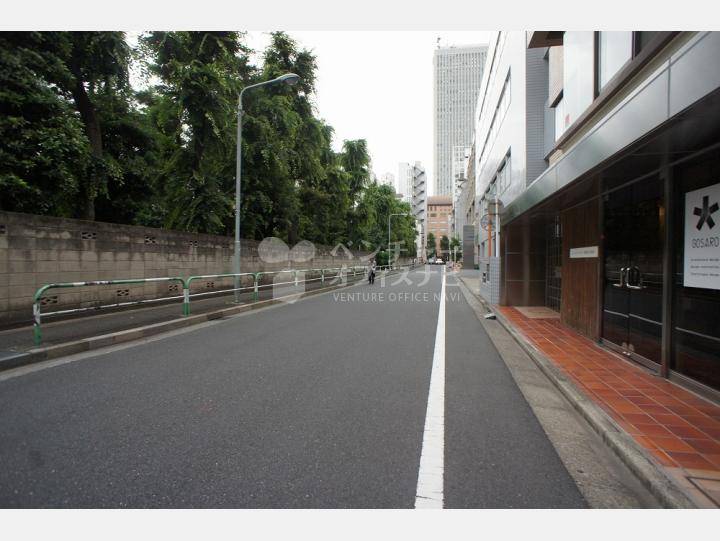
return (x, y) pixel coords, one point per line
(37, 331)
(186, 298)
(256, 293)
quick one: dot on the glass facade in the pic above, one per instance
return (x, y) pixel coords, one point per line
(696, 310)
(614, 51)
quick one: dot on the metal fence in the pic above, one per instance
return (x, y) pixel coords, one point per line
(253, 282)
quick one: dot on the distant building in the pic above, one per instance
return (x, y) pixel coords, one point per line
(464, 199)
(439, 211)
(461, 156)
(419, 204)
(458, 73)
(405, 181)
(388, 179)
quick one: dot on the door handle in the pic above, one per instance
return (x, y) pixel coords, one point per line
(637, 282)
(622, 273)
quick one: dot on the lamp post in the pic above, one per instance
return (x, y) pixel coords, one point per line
(288, 79)
(389, 220)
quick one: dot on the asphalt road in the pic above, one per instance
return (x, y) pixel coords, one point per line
(317, 404)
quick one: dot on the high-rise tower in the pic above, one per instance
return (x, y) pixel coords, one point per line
(457, 73)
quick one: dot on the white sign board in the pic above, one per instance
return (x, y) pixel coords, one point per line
(702, 238)
(586, 251)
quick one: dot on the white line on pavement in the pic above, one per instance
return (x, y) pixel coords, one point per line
(429, 494)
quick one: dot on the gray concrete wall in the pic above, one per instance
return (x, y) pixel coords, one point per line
(490, 289)
(37, 250)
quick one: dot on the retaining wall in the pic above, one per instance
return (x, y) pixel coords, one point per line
(37, 250)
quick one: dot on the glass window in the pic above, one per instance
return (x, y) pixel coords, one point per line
(503, 176)
(578, 74)
(614, 50)
(559, 119)
(645, 38)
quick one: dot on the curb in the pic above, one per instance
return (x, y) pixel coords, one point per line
(652, 475)
(37, 355)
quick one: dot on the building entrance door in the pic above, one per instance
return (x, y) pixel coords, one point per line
(634, 218)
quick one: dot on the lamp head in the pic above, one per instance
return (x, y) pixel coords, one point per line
(288, 78)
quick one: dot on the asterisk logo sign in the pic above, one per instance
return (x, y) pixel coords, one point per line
(705, 213)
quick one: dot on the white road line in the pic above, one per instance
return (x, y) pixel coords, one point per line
(429, 494)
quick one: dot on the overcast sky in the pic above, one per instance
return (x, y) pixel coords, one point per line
(378, 86)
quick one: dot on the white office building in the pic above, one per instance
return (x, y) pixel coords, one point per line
(457, 76)
(511, 142)
(405, 182)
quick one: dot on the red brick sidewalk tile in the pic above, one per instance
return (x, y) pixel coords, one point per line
(676, 427)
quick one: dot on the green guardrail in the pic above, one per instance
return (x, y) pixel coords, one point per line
(189, 281)
(332, 272)
(37, 315)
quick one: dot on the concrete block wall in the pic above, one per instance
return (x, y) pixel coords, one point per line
(490, 290)
(37, 250)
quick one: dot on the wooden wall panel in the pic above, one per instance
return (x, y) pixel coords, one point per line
(580, 300)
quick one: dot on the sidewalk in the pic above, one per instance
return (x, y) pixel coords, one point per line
(678, 430)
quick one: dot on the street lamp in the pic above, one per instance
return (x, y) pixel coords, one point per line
(288, 79)
(389, 220)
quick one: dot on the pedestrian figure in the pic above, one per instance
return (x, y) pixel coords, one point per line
(371, 272)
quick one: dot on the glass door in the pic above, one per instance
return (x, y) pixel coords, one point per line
(634, 219)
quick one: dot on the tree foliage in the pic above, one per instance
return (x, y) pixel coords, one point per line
(79, 141)
(430, 245)
(444, 244)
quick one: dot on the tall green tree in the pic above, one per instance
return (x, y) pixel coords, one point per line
(376, 204)
(200, 77)
(43, 150)
(430, 245)
(444, 244)
(310, 193)
(356, 162)
(80, 66)
(78, 141)
(455, 243)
